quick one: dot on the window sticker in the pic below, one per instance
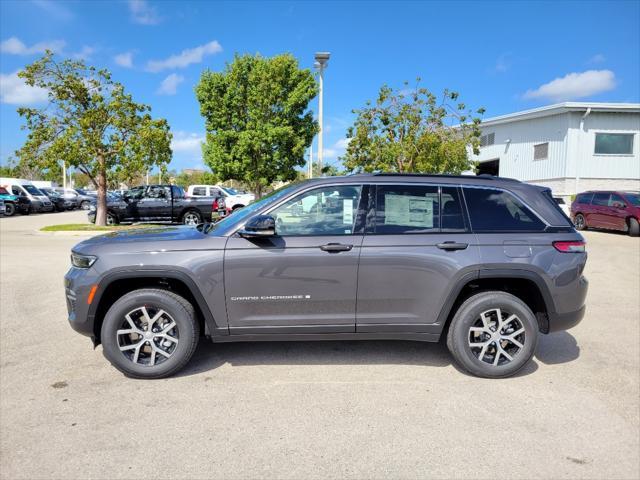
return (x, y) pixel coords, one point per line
(408, 210)
(347, 211)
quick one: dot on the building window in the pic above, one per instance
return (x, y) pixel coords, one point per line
(488, 139)
(541, 151)
(614, 143)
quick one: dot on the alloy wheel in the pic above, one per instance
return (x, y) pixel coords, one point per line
(148, 336)
(496, 337)
(191, 219)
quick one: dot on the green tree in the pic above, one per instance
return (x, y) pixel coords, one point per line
(91, 123)
(410, 130)
(257, 119)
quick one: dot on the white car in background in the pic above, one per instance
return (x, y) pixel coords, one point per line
(232, 198)
(563, 206)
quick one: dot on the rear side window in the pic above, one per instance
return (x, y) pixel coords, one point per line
(584, 198)
(601, 199)
(407, 209)
(178, 192)
(200, 191)
(493, 210)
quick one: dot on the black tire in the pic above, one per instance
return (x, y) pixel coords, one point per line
(85, 204)
(191, 217)
(634, 227)
(469, 314)
(27, 211)
(10, 209)
(112, 219)
(580, 222)
(179, 310)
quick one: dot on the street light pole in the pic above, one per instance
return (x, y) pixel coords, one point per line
(322, 58)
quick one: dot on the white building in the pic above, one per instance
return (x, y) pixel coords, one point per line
(569, 147)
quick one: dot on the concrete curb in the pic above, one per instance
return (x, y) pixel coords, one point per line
(74, 233)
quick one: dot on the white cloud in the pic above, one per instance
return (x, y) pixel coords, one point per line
(84, 54)
(54, 8)
(188, 144)
(185, 58)
(15, 46)
(597, 58)
(143, 13)
(502, 63)
(14, 91)
(124, 59)
(169, 85)
(575, 85)
(337, 149)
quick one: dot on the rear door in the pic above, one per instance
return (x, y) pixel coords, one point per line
(616, 213)
(155, 204)
(417, 246)
(304, 279)
(599, 217)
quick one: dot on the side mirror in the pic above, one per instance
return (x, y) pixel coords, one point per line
(258, 227)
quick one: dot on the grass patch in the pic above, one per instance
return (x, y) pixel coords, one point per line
(90, 227)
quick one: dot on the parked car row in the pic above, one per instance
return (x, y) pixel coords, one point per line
(21, 196)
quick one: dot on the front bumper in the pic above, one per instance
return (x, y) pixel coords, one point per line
(77, 285)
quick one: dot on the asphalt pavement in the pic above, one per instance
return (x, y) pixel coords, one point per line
(369, 409)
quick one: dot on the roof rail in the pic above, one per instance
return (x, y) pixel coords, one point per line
(484, 176)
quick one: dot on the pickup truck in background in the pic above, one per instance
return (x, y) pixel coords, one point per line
(161, 203)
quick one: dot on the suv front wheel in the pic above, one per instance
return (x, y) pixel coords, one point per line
(150, 333)
(493, 334)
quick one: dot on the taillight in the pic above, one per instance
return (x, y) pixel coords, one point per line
(214, 206)
(570, 247)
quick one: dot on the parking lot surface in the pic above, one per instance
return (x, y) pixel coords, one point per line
(313, 409)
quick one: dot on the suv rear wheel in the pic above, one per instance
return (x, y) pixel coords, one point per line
(150, 333)
(493, 335)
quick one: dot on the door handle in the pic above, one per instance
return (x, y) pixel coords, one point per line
(335, 247)
(452, 246)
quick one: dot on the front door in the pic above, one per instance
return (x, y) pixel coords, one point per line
(303, 280)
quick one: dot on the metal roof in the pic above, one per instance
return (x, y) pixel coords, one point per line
(559, 108)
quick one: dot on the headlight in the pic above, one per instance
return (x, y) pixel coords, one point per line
(82, 261)
(92, 208)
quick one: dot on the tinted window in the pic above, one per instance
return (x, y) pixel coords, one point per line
(323, 211)
(584, 198)
(158, 192)
(200, 191)
(32, 190)
(178, 192)
(601, 199)
(615, 199)
(634, 199)
(407, 209)
(614, 143)
(451, 210)
(497, 211)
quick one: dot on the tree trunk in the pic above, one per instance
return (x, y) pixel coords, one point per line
(258, 191)
(101, 207)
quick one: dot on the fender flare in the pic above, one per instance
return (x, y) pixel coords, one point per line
(211, 327)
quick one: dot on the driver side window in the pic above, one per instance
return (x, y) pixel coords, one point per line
(322, 211)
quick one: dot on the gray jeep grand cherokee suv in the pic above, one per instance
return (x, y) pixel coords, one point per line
(485, 262)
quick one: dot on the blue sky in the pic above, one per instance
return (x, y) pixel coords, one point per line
(504, 56)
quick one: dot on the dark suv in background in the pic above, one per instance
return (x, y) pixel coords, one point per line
(486, 263)
(611, 210)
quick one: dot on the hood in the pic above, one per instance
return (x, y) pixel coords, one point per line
(141, 240)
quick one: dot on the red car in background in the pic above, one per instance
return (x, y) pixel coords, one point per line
(612, 210)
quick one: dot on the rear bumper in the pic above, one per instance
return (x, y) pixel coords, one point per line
(565, 321)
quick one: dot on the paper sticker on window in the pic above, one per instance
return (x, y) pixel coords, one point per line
(347, 211)
(408, 210)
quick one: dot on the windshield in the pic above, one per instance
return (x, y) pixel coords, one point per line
(240, 215)
(32, 190)
(634, 198)
(81, 191)
(230, 191)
